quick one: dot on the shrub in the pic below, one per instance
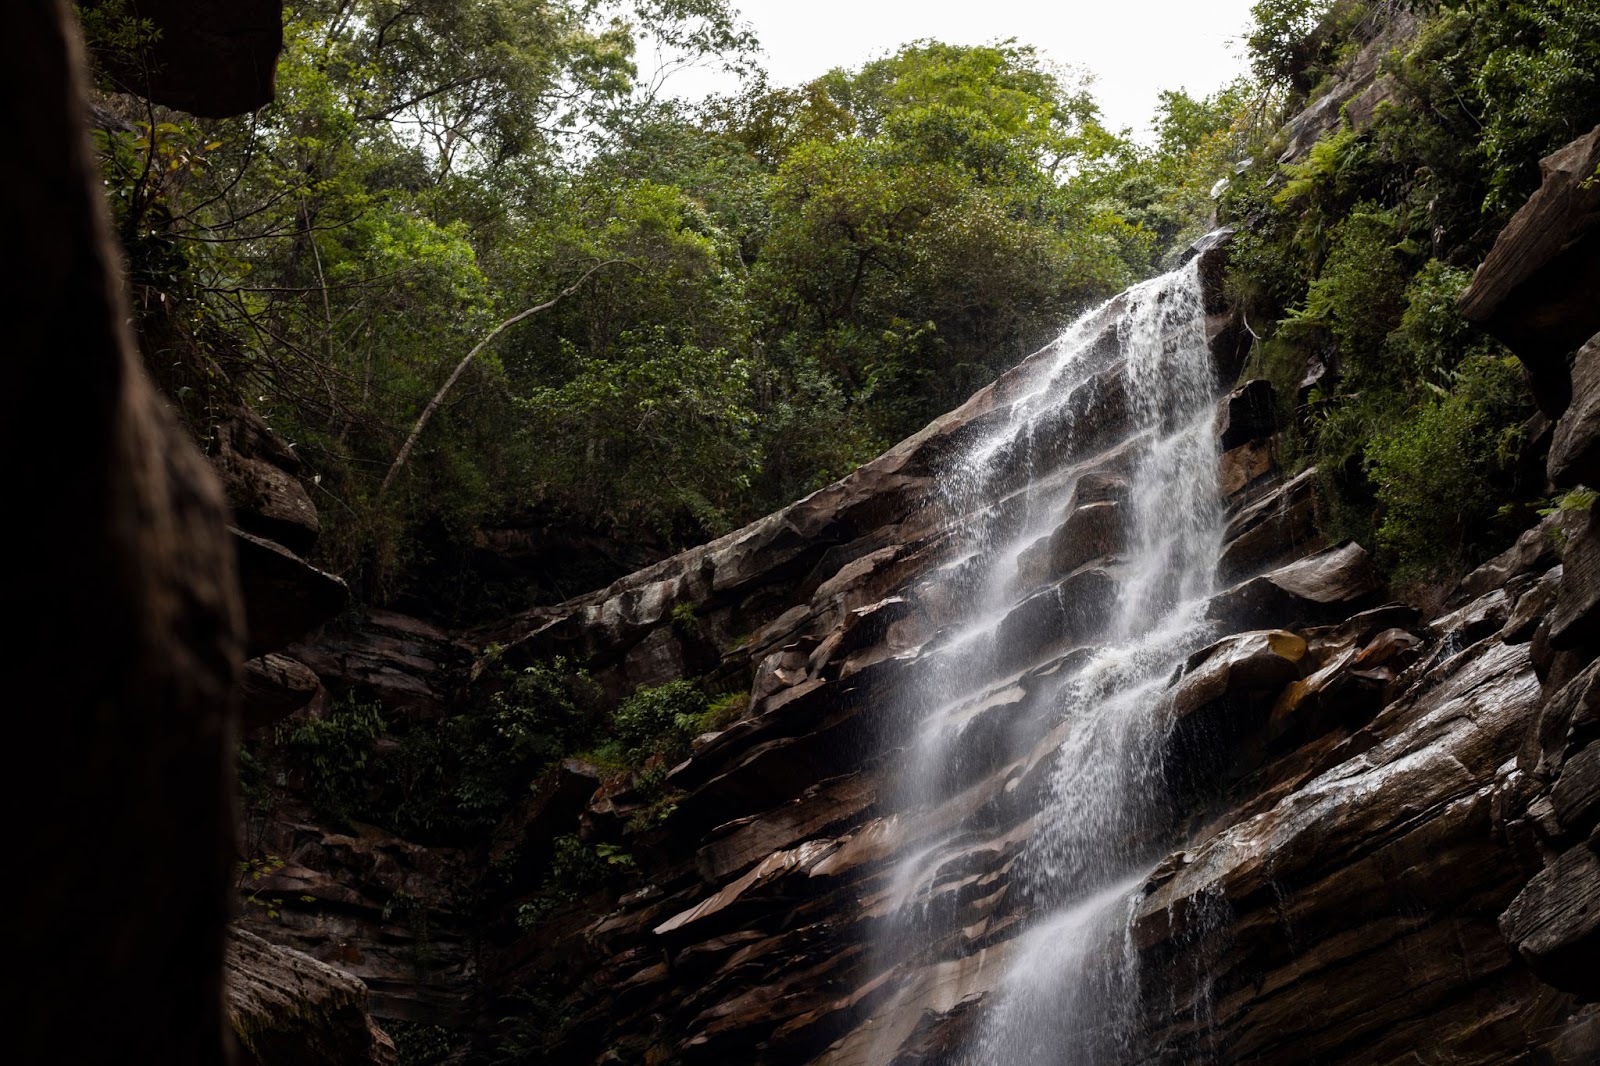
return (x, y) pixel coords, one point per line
(546, 712)
(1358, 296)
(658, 719)
(575, 870)
(334, 755)
(1439, 473)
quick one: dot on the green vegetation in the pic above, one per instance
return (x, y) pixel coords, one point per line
(452, 780)
(474, 270)
(575, 870)
(333, 755)
(1353, 260)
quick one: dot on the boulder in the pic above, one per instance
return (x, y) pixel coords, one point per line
(1575, 448)
(1328, 585)
(272, 688)
(1057, 616)
(1242, 470)
(1536, 289)
(1278, 527)
(1100, 486)
(1554, 923)
(258, 470)
(288, 1009)
(1243, 666)
(285, 597)
(1575, 798)
(1091, 531)
(1534, 552)
(1575, 622)
(1248, 413)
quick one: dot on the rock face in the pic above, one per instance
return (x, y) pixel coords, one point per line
(121, 546)
(285, 597)
(1380, 840)
(213, 58)
(127, 549)
(1575, 448)
(260, 472)
(1536, 289)
(291, 1010)
(1359, 87)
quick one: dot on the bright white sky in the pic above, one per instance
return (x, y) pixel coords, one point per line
(1134, 48)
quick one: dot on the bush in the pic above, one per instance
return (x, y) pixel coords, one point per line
(1440, 473)
(547, 712)
(334, 755)
(1359, 295)
(576, 869)
(660, 719)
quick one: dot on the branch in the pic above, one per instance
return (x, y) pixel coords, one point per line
(461, 368)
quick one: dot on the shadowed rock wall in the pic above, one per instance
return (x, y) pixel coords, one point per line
(127, 772)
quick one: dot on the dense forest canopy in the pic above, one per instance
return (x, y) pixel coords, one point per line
(756, 293)
(727, 304)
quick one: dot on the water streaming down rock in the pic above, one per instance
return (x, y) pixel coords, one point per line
(1135, 542)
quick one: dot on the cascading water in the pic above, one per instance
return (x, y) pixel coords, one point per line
(1048, 670)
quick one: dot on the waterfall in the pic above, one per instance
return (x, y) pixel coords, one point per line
(1083, 526)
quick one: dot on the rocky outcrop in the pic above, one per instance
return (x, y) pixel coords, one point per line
(1535, 291)
(1357, 89)
(210, 57)
(274, 687)
(288, 1009)
(127, 626)
(285, 597)
(409, 666)
(1575, 448)
(260, 472)
(1278, 527)
(747, 945)
(1285, 923)
(386, 911)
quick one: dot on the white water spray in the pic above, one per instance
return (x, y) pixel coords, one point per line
(1039, 703)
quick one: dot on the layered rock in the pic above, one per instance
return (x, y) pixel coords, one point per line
(288, 1009)
(1535, 291)
(285, 597)
(379, 909)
